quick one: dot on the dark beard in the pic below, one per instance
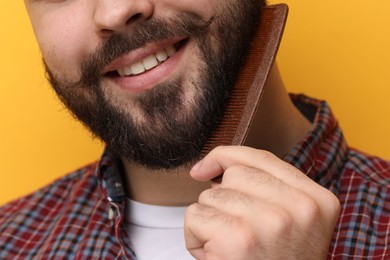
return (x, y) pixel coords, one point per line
(173, 135)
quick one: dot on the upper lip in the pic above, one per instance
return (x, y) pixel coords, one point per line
(139, 54)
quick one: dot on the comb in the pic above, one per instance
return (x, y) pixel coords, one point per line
(246, 94)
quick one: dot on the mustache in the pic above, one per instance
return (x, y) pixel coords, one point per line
(149, 31)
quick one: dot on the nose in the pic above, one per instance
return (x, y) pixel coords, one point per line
(115, 15)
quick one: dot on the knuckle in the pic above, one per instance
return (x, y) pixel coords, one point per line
(307, 210)
(309, 207)
(247, 239)
(266, 155)
(230, 173)
(218, 150)
(313, 211)
(202, 213)
(204, 196)
(193, 210)
(311, 216)
(210, 195)
(281, 223)
(329, 204)
(336, 206)
(333, 201)
(333, 206)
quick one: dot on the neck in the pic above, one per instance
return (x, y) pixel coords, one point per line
(277, 127)
(162, 187)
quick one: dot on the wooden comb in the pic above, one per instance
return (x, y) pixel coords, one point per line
(246, 94)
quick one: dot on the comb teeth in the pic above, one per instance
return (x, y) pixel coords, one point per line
(226, 130)
(246, 94)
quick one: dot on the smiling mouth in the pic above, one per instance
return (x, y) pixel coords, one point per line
(148, 63)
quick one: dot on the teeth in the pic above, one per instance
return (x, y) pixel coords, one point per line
(147, 63)
(162, 56)
(127, 71)
(171, 50)
(121, 72)
(137, 68)
(150, 62)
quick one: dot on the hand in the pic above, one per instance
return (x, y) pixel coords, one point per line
(264, 208)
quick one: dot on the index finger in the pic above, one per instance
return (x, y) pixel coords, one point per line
(223, 157)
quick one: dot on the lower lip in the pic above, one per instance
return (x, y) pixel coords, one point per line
(148, 79)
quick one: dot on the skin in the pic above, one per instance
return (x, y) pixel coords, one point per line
(263, 206)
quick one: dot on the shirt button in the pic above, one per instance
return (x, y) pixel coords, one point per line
(110, 214)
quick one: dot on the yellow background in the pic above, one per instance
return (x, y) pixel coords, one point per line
(336, 50)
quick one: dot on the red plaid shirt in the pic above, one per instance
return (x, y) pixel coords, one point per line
(80, 216)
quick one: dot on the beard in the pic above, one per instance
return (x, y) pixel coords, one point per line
(162, 128)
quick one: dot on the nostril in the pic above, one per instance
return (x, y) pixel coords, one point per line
(134, 17)
(116, 15)
(106, 32)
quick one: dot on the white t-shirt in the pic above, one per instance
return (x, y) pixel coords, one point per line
(156, 232)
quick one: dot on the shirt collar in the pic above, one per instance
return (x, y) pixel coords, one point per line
(323, 151)
(110, 177)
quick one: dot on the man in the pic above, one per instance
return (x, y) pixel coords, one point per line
(151, 78)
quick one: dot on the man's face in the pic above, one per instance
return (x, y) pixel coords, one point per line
(150, 77)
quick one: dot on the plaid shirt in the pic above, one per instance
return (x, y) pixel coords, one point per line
(80, 216)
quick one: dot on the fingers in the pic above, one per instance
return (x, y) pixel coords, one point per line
(263, 207)
(271, 205)
(212, 234)
(223, 158)
(254, 230)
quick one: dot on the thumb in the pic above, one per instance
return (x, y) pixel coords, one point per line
(216, 162)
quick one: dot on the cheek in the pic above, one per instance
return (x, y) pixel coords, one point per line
(197, 6)
(62, 38)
